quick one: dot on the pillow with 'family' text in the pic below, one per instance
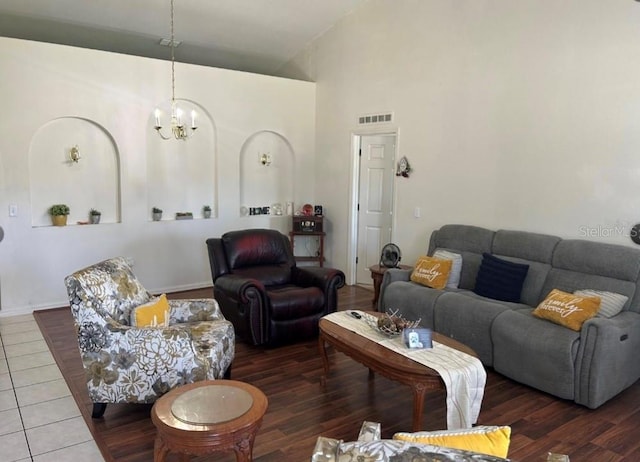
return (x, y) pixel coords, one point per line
(431, 272)
(568, 310)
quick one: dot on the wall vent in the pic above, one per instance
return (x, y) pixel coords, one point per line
(375, 118)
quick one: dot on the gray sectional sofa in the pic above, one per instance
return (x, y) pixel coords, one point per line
(589, 367)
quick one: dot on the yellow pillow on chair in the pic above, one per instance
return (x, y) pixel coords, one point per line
(154, 313)
(490, 440)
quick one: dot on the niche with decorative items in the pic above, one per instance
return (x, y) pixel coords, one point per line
(75, 161)
(267, 164)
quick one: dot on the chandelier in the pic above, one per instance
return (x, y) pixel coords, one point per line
(178, 126)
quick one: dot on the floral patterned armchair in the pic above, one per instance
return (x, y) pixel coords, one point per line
(125, 364)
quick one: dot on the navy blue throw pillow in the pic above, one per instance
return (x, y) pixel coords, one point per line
(500, 279)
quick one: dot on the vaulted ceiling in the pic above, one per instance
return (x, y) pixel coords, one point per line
(249, 35)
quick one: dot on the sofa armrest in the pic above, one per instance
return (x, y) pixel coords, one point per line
(392, 275)
(194, 309)
(607, 360)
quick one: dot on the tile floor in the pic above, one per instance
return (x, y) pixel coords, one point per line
(39, 419)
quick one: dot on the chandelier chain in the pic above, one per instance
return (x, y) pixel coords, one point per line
(178, 126)
(173, 59)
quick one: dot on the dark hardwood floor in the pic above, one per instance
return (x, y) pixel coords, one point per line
(300, 410)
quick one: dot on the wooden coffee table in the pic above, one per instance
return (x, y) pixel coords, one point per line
(386, 362)
(209, 416)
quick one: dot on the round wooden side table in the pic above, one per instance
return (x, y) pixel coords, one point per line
(209, 416)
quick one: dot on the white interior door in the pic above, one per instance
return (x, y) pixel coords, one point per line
(375, 201)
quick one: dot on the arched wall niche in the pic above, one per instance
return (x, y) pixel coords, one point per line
(267, 166)
(91, 181)
(182, 174)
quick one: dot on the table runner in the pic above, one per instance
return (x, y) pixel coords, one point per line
(463, 375)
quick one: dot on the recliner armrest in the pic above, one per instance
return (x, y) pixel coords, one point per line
(329, 280)
(314, 276)
(237, 286)
(607, 360)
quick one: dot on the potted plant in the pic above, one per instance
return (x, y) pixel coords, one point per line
(94, 216)
(206, 211)
(59, 214)
(156, 214)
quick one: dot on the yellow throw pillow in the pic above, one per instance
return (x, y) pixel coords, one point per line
(491, 440)
(568, 310)
(154, 313)
(432, 272)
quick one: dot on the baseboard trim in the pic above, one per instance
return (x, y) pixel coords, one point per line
(28, 309)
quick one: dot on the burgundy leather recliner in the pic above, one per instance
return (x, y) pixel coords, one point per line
(260, 289)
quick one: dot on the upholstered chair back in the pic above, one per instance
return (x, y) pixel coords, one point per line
(111, 289)
(262, 254)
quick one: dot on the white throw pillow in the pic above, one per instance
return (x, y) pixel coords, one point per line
(610, 302)
(456, 266)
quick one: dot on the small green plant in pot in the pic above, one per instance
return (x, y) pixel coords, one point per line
(206, 211)
(59, 214)
(94, 216)
(156, 214)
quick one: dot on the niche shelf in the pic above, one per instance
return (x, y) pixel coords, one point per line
(75, 161)
(267, 165)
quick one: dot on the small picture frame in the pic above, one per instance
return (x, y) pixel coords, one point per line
(417, 337)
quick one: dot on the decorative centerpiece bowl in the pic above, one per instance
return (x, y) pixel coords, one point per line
(391, 323)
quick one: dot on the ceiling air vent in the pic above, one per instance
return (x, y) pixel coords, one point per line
(375, 118)
(165, 42)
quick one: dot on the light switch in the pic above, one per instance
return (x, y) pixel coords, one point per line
(416, 212)
(13, 210)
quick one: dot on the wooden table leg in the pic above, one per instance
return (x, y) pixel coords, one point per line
(377, 282)
(419, 391)
(160, 450)
(322, 347)
(244, 448)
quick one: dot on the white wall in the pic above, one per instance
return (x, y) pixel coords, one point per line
(514, 114)
(41, 82)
